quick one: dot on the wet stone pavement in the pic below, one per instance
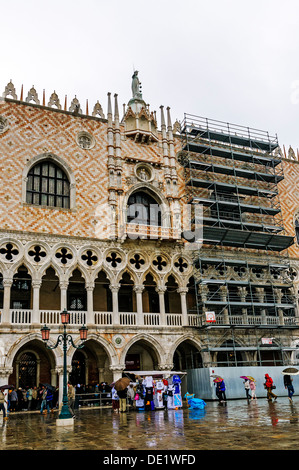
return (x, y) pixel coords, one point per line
(238, 425)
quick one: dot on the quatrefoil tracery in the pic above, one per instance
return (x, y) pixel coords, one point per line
(137, 260)
(114, 259)
(160, 263)
(64, 255)
(181, 265)
(9, 251)
(37, 253)
(89, 257)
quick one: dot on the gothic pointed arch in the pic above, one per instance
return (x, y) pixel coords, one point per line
(146, 195)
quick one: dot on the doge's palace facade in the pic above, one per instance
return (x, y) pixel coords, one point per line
(78, 231)
(95, 218)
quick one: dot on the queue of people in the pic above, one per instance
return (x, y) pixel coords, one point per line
(30, 399)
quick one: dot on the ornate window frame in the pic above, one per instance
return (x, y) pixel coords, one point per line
(153, 192)
(64, 166)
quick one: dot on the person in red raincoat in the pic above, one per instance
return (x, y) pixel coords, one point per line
(269, 386)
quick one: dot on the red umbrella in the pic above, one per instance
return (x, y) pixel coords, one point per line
(243, 377)
(219, 379)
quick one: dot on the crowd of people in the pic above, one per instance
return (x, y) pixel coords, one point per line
(31, 398)
(250, 388)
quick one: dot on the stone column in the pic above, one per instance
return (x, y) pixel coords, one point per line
(114, 289)
(60, 382)
(6, 302)
(183, 291)
(101, 374)
(54, 377)
(90, 316)
(35, 307)
(63, 294)
(138, 291)
(161, 290)
(4, 376)
(117, 371)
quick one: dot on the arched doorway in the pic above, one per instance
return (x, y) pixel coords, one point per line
(33, 364)
(27, 370)
(141, 356)
(187, 356)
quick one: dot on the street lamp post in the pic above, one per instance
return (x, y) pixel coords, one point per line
(64, 339)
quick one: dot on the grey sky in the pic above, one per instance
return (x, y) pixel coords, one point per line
(230, 60)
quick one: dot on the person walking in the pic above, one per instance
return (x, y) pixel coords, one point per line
(131, 395)
(34, 398)
(247, 389)
(71, 395)
(252, 389)
(2, 402)
(287, 380)
(122, 400)
(13, 400)
(115, 400)
(269, 387)
(29, 398)
(49, 400)
(220, 391)
(45, 404)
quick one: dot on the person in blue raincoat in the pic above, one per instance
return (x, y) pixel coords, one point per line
(220, 391)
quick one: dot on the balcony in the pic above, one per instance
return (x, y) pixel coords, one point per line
(24, 317)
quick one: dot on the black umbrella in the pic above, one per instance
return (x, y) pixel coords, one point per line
(49, 386)
(6, 386)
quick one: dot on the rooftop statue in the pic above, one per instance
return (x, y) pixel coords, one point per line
(136, 86)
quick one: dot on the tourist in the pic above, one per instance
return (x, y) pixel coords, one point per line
(269, 387)
(115, 400)
(20, 399)
(44, 403)
(247, 388)
(131, 395)
(49, 400)
(13, 400)
(287, 380)
(253, 389)
(2, 402)
(220, 391)
(71, 395)
(34, 398)
(29, 398)
(122, 400)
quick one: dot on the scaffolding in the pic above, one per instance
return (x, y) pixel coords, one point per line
(242, 271)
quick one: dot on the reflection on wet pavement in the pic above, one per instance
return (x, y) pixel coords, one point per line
(237, 425)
